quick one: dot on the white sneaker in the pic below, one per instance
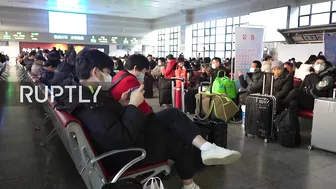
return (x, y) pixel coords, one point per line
(193, 186)
(219, 156)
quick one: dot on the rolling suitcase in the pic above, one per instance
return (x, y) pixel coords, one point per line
(324, 128)
(190, 100)
(260, 114)
(214, 131)
(178, 94)
(148, 85)
(165, 96)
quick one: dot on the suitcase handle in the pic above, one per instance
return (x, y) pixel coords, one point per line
(264, 84)
(177, 79)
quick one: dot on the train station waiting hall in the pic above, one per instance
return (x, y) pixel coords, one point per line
(193, 94)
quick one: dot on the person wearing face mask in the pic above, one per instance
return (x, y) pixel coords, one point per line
(317, 84)
(283, 84)
(136, 68)
(253, 81)
(216, 65)
(115, 125)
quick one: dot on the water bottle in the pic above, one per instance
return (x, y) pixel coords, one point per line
(243, 107)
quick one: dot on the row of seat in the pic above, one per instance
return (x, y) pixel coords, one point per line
(80, 148)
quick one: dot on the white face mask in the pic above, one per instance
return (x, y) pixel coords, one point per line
(107, 83)
(252, 70)
(319, 67)
(213, 66)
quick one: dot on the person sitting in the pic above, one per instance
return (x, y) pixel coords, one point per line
(317, 84)
(38, 65)
(216, 65)
(29, 61)
(115, 125)
(169, 70)
(136, 68)
(289, 67)
(283, 84)
(48, 71)
(64, 71)
(253, 82)
(156, 72)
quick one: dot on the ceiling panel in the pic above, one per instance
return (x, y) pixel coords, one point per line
(147, 9)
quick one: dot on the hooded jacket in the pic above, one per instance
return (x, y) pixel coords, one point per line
(111, 126)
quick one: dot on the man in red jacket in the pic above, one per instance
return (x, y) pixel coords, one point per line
(169, 71)
(135, 69)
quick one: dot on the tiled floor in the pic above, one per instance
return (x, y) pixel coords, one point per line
(25, 165)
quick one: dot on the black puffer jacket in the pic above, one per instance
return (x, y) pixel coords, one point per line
(253, 82)
(112, 126)
(283, 85)
(320, 85)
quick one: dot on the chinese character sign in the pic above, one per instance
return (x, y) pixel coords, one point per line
(249, 45)
(330, 48)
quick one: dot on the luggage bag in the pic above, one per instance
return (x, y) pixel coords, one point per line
(177, 94)
(324, 127)
(148, 85)
(215, 131)
(260, 114)
(165, 91)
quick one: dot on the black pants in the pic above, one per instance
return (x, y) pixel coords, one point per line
(176, 133)
(180, 132)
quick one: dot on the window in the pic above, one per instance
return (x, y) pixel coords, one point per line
(305, 10)
(214, 38)
(304, 21)
(271, 20)
(333, 17)
(168, 41)
(321, 7)
(317, 14)
(320, 19)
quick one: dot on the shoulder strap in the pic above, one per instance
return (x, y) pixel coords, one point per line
(120, 78)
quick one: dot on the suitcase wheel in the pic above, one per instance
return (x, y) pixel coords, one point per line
(246, 135)
(310, 147)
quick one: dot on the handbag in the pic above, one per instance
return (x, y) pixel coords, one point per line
(218, 85)
(215, 106)
(153, 183)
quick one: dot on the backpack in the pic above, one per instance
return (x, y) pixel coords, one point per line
(218, 86)
(230, 87)
(287, 127)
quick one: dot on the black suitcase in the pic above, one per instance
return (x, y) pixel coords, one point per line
(148, 85)
(165, 96)
(214, 131)
(190, 100)
(260, 114)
